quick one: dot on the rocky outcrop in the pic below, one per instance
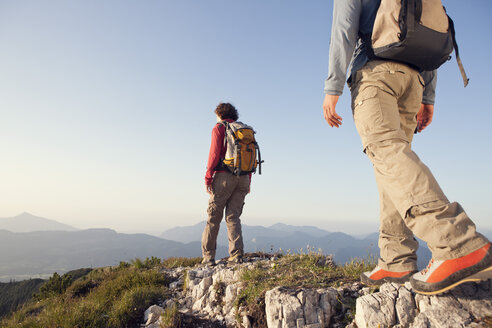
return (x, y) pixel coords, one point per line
(307, 308)
(212, 292)
(209, 297)
(468, 305)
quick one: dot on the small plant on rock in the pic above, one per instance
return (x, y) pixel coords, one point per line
(171, 317)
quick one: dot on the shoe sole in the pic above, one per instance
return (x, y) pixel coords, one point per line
(377, 283)
(477, 277)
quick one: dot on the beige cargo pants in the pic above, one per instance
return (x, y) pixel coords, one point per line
(228, 191)
(386, 97)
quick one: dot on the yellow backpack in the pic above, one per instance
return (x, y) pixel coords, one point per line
(242, 154)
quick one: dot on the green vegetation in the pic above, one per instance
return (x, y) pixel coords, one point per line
(56, 285)
(171, 317)
(297, 271)
(174, 262)
(14, 294)
(118, 296)
(106, 297)
(148, 263)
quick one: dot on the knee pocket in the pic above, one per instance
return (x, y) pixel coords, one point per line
(377, 149)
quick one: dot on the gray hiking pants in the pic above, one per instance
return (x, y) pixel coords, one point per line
(228, 192)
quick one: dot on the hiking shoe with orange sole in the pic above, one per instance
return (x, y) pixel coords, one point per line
(441, 276)
(378, 276)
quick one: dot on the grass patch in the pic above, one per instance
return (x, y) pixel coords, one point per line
(298, 271)
(107, 297)
(148, 263)
(175, 262)
(15, 294)
(171, 317)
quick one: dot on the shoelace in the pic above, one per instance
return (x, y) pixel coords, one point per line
(423, 272)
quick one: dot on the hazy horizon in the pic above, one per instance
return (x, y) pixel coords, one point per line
(347, 227)
(351, 228)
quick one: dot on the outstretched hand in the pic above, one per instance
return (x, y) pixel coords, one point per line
(331, 116)
(424, 116)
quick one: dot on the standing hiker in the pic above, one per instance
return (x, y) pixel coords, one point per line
(392, 99)
(231, 161)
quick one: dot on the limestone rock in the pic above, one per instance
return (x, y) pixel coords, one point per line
(377, 310)
(307, 308)
(152, 314)
(467, 305)
(211, 293)
(405, 307)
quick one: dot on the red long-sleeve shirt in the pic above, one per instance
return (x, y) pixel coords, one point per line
(217, 151)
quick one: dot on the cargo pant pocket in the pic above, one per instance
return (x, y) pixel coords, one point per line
(376, 115)
(366, 108)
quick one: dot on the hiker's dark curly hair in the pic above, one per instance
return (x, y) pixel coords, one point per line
(227, 111)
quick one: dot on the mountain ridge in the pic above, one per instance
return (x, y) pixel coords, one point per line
(35, 253)
(27, 222)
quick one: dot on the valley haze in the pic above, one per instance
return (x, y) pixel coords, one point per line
(35, 247)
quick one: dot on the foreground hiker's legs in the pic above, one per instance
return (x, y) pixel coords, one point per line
(233, 212)
(384, 108)
(397, 245)
(445, 227)
(222, 188)
(386, 97)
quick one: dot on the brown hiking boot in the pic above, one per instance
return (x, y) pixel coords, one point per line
(235, 259)
(208, 262)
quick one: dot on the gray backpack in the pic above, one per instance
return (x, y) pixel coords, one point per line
(416, 32)
(242, 151)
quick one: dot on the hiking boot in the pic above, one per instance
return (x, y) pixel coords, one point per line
(440, 276)
(208, 262)
(235, 259)
(378, 276)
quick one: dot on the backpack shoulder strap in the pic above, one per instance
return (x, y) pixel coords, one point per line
(458, 59)
(223, 123)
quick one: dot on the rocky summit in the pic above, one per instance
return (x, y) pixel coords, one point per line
(205, 296)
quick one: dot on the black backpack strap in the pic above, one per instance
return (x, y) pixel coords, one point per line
(456, 50)
(259, 158)
(221, 165)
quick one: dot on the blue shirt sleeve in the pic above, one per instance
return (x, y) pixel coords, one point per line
(430, 80)
(344, 35)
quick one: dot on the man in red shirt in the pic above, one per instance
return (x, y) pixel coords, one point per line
(227, 191)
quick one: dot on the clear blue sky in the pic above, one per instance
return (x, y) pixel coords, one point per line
(106, 109)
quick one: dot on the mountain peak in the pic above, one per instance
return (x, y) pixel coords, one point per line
(25, 215)
(27, 222)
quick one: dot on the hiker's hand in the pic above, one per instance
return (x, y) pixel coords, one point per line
(424, 116)
(331, 116)
(209, 189)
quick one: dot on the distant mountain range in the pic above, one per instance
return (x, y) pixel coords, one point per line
(28, 249)
(44, 252)
(194, 233)
(294, 238)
